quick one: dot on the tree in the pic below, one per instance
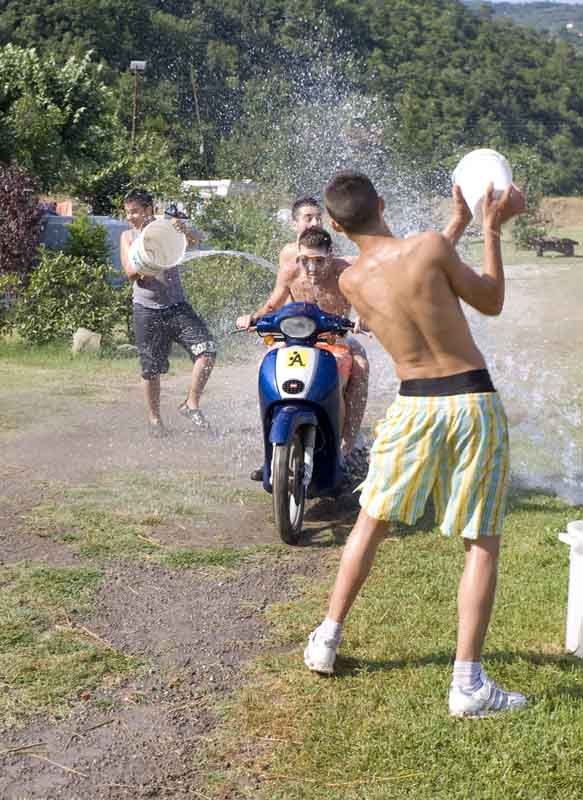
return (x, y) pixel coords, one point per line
(54, 117)
(20, 223)
(150, 166)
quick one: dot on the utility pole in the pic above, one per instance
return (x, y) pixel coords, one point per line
(135, 67)
(201, 148)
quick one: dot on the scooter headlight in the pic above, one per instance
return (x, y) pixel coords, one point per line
(298, 327)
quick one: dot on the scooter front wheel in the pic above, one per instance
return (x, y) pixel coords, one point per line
(289, 492)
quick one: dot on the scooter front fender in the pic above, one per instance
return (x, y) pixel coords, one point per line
(287, 420)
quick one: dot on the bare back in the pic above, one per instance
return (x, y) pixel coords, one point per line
(402, 288)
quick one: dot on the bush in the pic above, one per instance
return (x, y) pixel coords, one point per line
(220, 289)
(529, 225)
(525, 229)
(9, 290)
(20, 222)
(88, 240)
(65, 293)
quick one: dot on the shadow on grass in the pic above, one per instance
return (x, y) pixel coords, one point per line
(523, 498)
(348, 666)
(330, 521)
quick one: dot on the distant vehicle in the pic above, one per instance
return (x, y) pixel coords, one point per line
(557, 244)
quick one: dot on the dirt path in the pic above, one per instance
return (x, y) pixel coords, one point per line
(193, 629)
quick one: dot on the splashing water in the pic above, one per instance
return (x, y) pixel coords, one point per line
(192, 255)
(529, 348)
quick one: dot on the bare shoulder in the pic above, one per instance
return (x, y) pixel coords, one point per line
(348, 278)
(431, 246)
(288, 270)
(436, 242)
(288, 253)
(341, 263)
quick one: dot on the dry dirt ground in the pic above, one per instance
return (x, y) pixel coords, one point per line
(193, 629)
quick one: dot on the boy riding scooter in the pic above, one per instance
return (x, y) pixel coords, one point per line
(313, 278)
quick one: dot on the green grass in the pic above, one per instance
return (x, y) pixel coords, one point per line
(379, 729)
(118, 517)
(186, 558)
(45, 661)
(41, 384)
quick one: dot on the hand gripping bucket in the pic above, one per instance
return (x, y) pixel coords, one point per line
(574, 538)
(160, 246)
(478, 169)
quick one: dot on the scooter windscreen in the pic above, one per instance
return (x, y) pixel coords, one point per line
(302, 321)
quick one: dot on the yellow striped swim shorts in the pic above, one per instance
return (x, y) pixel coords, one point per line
(454, 448)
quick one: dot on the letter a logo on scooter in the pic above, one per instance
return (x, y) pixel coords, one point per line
(294, 359)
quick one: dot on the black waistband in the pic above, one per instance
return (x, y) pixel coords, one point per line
(472, 382)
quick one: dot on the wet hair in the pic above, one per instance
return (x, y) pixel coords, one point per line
(305, 200)
(140, 196)
(352, 201)
(315, 238)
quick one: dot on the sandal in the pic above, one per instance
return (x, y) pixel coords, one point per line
(195, 415)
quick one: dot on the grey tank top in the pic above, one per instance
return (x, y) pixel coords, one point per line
(161, 291)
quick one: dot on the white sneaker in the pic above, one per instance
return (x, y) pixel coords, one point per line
(489, 699)
(320, 653)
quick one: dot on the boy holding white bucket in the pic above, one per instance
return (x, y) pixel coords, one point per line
(162, 314)
(446, 433)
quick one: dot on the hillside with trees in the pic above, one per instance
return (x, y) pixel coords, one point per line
(248, 88)
(564, 20)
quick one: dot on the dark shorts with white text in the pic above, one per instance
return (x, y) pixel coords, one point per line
(155, 329)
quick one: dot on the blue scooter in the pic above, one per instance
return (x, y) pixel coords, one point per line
(300, 405)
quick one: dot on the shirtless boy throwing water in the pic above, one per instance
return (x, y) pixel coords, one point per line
(446, 433)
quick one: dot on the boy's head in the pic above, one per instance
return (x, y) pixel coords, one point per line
(315, 251)
(353, 202)
(306, 213)
(139, 207)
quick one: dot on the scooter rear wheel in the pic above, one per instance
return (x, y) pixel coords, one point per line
(289, 492)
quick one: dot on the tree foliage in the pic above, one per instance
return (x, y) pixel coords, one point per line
(234, 85)
(55, 116)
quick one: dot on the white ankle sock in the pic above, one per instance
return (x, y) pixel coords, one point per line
(331, 629)
(467, 676)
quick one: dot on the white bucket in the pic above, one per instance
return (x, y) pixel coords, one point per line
(574, 634)
(160, 246)
(478, 169)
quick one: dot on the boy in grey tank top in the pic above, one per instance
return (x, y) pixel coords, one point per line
(162, 315)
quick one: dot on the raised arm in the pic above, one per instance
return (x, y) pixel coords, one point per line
(193, 237)
(460, 218)
(484, 292)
